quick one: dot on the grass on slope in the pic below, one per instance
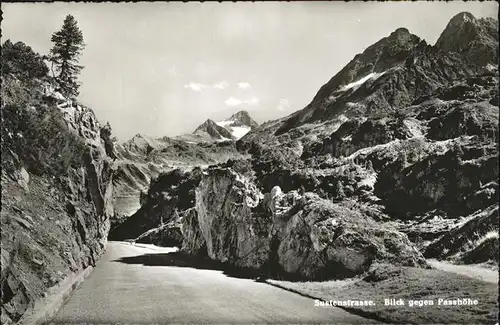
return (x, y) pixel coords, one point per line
(408, 283)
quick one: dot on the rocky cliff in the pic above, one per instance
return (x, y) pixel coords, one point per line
(474, 39)
(170, 193)
(56, 191)
(289, 234)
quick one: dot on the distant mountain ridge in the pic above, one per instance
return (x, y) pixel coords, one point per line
(142, 158)
(397, 71)
(235, 127)
(422, 118)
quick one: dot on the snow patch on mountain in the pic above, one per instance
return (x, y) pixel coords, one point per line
(239, 131)
(236, 131)
(356, 84)
(225, 123)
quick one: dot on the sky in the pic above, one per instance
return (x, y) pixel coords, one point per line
(163, 68)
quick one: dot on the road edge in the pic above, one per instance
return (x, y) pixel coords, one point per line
(45, 309)
(354, 311)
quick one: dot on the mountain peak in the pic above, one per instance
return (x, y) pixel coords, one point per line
(242, 118)
(474, 39)
(463, 17)
(235, 127)
(401, 31)
(242, 113)
(214, 130)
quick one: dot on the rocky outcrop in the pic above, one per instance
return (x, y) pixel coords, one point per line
(232, 233)
(169, 194)
(356, 134)
(446, 181)
(55, 219)
(475, 39)
(470, 241)
(325, 240)
(303, 236)
(167, 234)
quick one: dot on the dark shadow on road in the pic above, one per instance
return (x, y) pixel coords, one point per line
(183, 259)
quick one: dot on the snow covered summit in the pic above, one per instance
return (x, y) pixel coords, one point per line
(234, 127)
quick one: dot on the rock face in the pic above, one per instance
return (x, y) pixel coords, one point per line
(214, 130)
(303, 236)
(169, 194)
(56, 192)
(192, 238)
(224, 203)
(475, 39)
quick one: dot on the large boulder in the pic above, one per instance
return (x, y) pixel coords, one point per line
(325, 240)
(295, 234)
(233, 234)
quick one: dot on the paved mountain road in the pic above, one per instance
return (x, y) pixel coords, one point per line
(120, 292)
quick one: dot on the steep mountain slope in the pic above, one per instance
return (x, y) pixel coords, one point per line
(421, 120)
(474, 39)
(388, 76)
(394, 73)
(214, 130)
(402, 140)
(56, 188)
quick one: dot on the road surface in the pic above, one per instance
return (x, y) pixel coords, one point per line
(472, 271)
(127, 287)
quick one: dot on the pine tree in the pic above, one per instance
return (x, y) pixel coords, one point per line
(68, 45)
